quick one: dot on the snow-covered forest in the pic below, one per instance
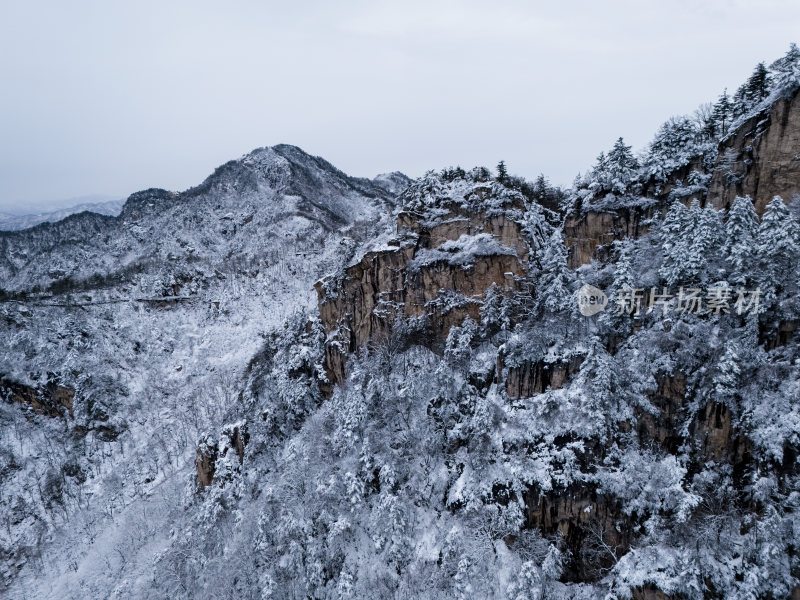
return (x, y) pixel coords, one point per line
(291, 383)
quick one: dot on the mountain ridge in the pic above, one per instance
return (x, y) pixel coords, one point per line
(16, 222)
(259, 183)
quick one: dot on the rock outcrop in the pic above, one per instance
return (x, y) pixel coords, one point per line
(669, 398)
(215, 461)
(593, 527)
(51, 399)
(531, 378)
(591, 234)
(436, 273)
(710, 428)
(717, 438)
(761, 158)
(205, 464)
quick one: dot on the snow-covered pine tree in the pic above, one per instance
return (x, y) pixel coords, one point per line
(706, 239)
(554, 286)
(786, 70)
(614, 177)
(758, 85)
(674, 145)
(674, 243)
(458, 347)
(739, 103)
(600, 163)
(727, 379)
(623, 269)
(552, 566)
(528, 583)
(535, 227)
(490, 309)
(599, 375)
(741, 230)
(541, 187)
(596, 179)
(622, 167)
(752, 92)
(722, 114)
(617, 317)
(502, 172)
(573, 199)
(778, 250)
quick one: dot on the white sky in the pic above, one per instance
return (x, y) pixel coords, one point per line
(109, 97)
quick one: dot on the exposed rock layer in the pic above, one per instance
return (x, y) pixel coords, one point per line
(415, 280)
(590, 235)
(50, 399)
(761, 158)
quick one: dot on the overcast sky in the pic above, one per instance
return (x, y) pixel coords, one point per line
(108, 97)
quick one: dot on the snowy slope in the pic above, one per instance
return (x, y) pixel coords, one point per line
(242, 251)
(248, 209)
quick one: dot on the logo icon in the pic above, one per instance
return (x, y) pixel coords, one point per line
(591, 300)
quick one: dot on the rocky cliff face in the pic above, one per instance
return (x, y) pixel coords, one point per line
(456, 240)
(710, 428)
(761, 157)
(530, 378)
(589, 236)
(592, 525)
(435, 273)
(51, 399)
(216, 459)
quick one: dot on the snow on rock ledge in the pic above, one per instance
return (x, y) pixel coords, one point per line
(456, 240)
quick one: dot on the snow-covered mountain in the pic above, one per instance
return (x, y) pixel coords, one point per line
(176, 293)
(291, 383)
(13, 222)
(247, 211)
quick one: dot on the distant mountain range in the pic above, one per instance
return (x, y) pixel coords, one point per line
(11, 222)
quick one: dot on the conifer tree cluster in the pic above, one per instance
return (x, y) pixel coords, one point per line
(617, 178)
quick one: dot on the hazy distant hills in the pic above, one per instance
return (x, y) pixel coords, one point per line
(11, 222)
